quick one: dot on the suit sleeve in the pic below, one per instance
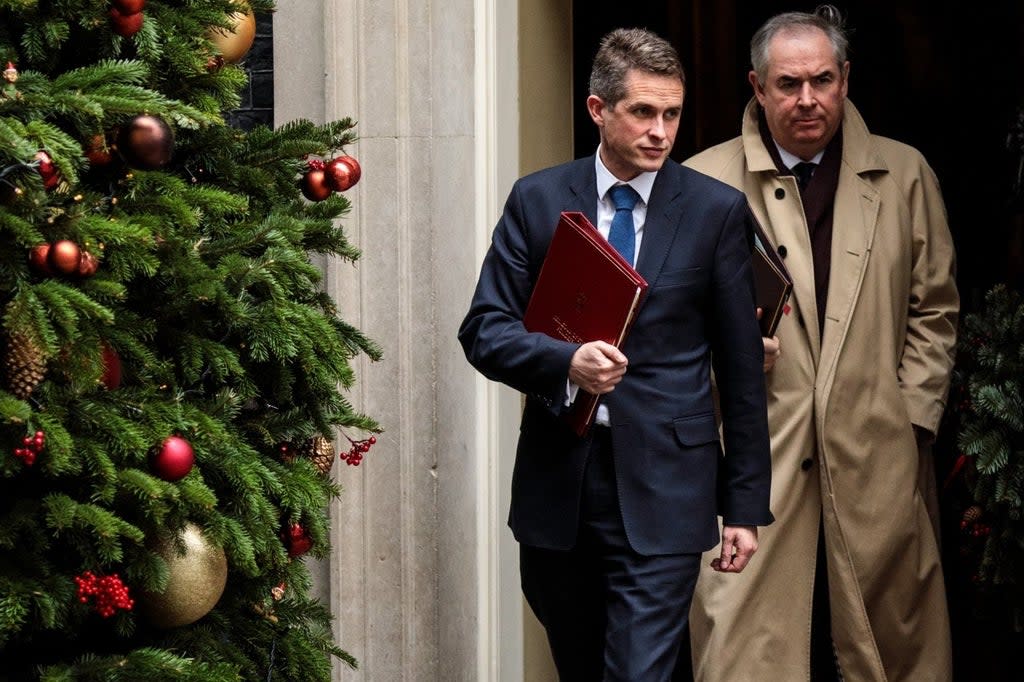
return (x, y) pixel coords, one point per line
(738, 357)
(928, 353)
(492, 334)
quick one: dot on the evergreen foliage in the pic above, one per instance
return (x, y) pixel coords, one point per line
(206, 293)
(989, 383)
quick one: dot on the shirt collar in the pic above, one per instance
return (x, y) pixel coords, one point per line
(641, 183)
(791, 160)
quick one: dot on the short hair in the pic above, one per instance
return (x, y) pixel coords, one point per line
(826, 18)
(631, 48)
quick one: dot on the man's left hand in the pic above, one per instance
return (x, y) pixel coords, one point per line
(738, 546)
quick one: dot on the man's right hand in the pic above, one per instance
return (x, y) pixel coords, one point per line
(772, 351)
(597, 367)
(771, 346)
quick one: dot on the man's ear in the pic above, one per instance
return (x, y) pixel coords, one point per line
(595, 105)
(756, 85)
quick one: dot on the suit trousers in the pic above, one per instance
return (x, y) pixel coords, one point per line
(610, 613)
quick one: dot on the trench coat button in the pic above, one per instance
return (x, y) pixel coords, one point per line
(780, 193)
(806, 464)
(782, 251)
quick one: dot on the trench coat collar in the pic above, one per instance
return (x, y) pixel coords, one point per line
(855, 220)
(858, 151)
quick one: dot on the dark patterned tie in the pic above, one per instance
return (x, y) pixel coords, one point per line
(803, 172)
(622, 234)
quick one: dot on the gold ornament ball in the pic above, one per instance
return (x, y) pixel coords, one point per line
(195, 583)
(234, 44)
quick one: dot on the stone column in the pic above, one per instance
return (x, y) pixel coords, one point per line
(413, 580)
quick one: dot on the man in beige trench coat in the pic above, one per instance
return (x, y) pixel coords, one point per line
(857, 379)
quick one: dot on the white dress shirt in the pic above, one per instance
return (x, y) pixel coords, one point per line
(605, 212)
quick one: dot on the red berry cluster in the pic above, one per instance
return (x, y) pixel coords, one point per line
(32, 446)
(110, 593)
(975, 529)
(355, 454)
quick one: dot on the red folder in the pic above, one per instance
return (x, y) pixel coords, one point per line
(586, 291)
(772, 283)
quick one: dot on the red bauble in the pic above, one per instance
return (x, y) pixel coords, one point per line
(297, 540)
(87, 264)
(339, 174)
(146, 142)
(124, 24)
(314, 185)
(64, 257)
(38, 259)
(173, 460)
(111, 369)
(97, 151)
(129, 6)
(47, 171)
(357, 170)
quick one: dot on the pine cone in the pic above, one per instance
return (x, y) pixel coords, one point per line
(972, 513)
(320, 451)
(24, 365)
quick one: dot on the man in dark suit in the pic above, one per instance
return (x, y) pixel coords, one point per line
(611, 526)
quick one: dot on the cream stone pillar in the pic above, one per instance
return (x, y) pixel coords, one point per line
(422, 580)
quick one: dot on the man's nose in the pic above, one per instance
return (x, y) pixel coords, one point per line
(806, 98)
(658, 128)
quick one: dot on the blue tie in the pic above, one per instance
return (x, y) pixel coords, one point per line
(622, 235)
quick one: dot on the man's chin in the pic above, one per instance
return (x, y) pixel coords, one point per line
(647, 164)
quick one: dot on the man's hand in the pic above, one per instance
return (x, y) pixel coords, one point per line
(772, 350)
(597, 367)
(738, 545)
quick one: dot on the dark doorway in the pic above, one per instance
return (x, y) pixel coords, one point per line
(947, 78)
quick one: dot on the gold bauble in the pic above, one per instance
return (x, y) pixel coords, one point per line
(195, 583)
(233, 44)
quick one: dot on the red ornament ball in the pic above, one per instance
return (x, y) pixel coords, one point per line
(125, 24)
(38, 258)
(173, 460)
(111, 377)
(357, 170)
(88, 264)
(297, 540)
(129, 6)
(64, 256)
(314, 185)
(47, 171)
(146, 142)
(342, 173)
(97, 151)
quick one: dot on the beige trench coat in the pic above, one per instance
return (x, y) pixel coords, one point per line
(841, 412)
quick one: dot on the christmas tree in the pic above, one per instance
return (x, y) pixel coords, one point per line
(173, 375)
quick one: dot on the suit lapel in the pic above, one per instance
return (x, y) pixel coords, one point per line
(583, 189)
(662, 220)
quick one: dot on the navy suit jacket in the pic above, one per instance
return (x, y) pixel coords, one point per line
(699, 312)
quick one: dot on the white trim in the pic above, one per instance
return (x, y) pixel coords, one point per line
(496, 121)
